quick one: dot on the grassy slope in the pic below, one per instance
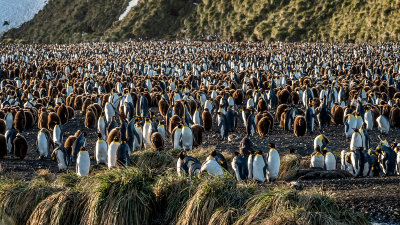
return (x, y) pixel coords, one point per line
(264, 20)
(70, 21)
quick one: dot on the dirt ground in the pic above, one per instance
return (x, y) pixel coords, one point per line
(378, 197)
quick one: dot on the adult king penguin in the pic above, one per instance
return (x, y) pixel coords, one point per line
(83, 163)
(273, 163)
(239, 165)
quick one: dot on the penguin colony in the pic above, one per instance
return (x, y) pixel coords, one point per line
(179, 96)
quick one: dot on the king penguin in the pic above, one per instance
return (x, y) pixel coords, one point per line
(43, 143)
(83, 163)
(317, 159)
(356, 140)
(59, 155)
(101, 149)
(211, 166)
(112, 153)
(330, 160)
(273, 163)
(187, 138)
(259, 167)
(176, 137)
(123, 153)
(184, 163)
(239, 165)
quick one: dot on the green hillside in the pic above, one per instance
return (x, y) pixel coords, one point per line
(261, 20)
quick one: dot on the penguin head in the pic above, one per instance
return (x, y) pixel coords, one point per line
(325, 150)
(356, 130)
(116, 139)
(236, 154)
(54, 155)
(182, 155)
(213, 154)
(83, 149)
(84, 133)
(99, 136)
(272, 145)
(259, 152)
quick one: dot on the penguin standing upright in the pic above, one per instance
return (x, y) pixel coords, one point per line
(139, 131)
(161, 129)
(112, 153)
(349, 125)
(383, 124)
(207, 119)
(330, 160)
(20, 146)
(222, 126)
(361, 163)
(43, 143)
(356, 140)
(101, 126)
(317, 159)
(369, 119)
(176, 137)
(387, 159)
(251, 126)
(250, 160)
(83, 163)
(187, 138)
(58, 134)
(273, 163)
(123, 153)
(147, 131)
(11, 134)
(59, 155)
(211, 166)
(397, 150)
(76, 146)
(310, 118)
(101, 149)
(259, 167)
(239, 165)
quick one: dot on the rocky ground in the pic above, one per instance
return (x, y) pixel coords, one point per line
(378, 197)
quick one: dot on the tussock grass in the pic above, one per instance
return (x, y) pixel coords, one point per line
(171, 191)
(64, 207)
(68, 180)
(157, 161)
(212, 194)
(120, 196)
(288, 168)
(19, 199)
(282, 205)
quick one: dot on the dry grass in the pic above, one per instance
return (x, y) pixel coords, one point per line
(171, 191)
(19, 199)
(157, 161)
(212, 194)
(64, 207)
(120, 196)
(288, 168)
(282, 205)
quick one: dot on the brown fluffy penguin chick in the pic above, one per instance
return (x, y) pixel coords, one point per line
(71, 112)
(20, 121)
(78, 102)
(163, 107)
(53, 119)
(62, 112)
(271, 119)
(116, 132)
(338, 114)
(395, 116)
(30, 121)
(90, 120)
(174, 122)
(261, 105)
(3, 127)
(43, 119)
(295, 97)
(197, 131)
(157, 141)
(299, 126)
(69, 142)
(283, 96)
(207, 119)
(238, 97)
(179, 109)
(86, 104)
(20, 146)
(3, 146)
(263, 126)
(281, 108)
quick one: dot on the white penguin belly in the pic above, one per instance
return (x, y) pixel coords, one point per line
(112, 155)
(101, 152)
(317, 161)
(273, 165)
(43, 145)
(83, 164)
(330, 162)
